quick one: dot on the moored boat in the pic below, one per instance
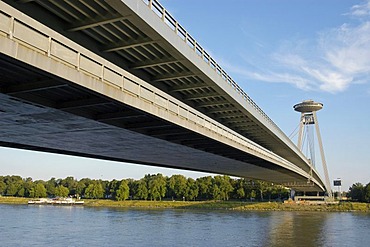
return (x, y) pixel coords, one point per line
(56, 201)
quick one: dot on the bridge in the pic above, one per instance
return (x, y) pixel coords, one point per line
(124, 81)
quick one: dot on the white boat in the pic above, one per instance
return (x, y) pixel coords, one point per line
(56, 201)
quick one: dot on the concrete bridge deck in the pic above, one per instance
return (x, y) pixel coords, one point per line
(178, 100)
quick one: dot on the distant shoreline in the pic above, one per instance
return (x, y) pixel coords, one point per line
(212, 205)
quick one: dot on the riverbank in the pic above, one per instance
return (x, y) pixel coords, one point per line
(214, 205)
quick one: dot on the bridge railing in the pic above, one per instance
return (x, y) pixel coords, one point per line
(171, 22)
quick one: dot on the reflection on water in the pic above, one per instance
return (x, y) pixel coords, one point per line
(281, 230)
(297, 229)
(318, 229)
(83, 226)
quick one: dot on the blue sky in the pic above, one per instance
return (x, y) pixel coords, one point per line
(280, 53)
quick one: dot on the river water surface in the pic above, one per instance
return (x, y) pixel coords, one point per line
(32, 225)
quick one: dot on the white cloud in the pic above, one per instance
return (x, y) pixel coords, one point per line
(339, 58)
(349, 49)
(360, 10)
(329, 80)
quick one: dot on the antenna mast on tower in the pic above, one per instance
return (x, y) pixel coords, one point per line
(308, 109)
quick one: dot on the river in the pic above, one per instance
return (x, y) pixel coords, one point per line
(32, 225)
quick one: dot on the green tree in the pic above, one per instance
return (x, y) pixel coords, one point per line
(38, 190)
(27, 187)
(105, 186)
(112, 188)
(238, 186)
(13, 185)
(141, 190)
(22, 192)
(2, 187)
(280, 192)
(177, 185)
(356, 192)
(61, 191)
(205, 187)
(12, 179)
(248, 188)
(367, 193)
(261, 187)
(13, 188)
(50, 187)
(270, 190)
(157, 186)
(253, 194)
(216, 192)
(132, 185)
(192, 189)
(82, 185)
(224, 186)
(94, 190)
(123, 191)
(70, 183)
(240, 193)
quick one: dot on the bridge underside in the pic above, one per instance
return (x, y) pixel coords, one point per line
(133, 37)
(57, 96)
(41, 112)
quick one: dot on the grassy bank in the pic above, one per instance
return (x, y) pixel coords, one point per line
(13, 200)
(214, 205)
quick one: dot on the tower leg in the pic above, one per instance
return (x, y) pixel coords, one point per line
(292, 194)
(300, 134)
(326, 173)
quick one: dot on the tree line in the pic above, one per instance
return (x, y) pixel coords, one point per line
(158, 187)
(150, 187)
(359, 192)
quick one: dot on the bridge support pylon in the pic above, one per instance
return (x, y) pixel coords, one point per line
(308, 109)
